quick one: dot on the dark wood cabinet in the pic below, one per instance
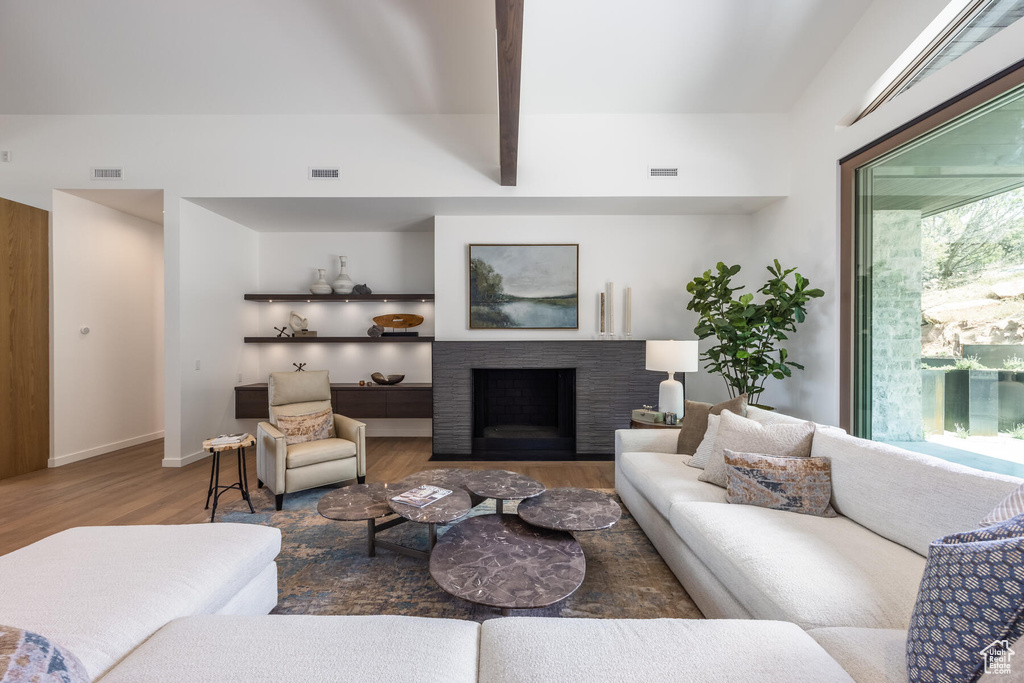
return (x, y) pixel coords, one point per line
(351, 400)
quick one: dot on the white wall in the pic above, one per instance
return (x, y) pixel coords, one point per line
(218, 267)
(805, 225)
(107, 274)
(654, 255)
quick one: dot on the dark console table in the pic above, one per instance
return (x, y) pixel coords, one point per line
(350, 400)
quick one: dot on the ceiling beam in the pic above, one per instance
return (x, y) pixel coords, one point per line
(509, 23)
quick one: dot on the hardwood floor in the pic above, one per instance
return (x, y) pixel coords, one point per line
(130, 487)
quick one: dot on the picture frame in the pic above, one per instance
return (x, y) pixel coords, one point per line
(523, 286)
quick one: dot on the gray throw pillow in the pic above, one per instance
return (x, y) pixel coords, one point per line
(802, 485)
(741, 435)
(695, 420)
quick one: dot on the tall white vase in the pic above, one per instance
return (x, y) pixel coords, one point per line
(343, 284)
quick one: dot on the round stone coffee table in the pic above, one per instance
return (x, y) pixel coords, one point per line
(502, 485)
(571, 509)
(451, 508)
(500, 561)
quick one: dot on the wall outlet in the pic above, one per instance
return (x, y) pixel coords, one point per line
(197, 365)
(5, 156)
(239, 377)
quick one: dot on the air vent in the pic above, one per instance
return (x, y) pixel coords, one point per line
(324, 172)
(110, 173)
(663, 171)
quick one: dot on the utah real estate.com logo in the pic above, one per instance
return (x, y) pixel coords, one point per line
(997, 657)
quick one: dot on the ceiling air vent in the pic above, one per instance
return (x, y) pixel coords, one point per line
(663, 171)
(324, 173)
(109, 173)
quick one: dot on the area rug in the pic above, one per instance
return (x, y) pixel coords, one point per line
(323, 568)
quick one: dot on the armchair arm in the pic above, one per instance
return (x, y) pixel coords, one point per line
(354, 431)
(645, 440)
(271, 457)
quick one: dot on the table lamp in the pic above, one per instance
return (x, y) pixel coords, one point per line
(672, 357)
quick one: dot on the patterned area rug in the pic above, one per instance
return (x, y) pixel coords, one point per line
(323, 568)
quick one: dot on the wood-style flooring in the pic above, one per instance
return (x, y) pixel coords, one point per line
(130, 487)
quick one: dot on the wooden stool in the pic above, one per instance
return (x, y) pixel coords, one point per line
(215, 489)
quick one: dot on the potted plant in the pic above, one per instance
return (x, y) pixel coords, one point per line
(749, 334)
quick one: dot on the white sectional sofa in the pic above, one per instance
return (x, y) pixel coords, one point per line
(793, 598)
(851, 581)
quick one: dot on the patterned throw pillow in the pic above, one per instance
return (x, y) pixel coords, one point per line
(971, 598)
(27, 656)
(306, 427)
(1011, 506)
(801, 485)
(741, 435)
(703, 452)
(695, 421)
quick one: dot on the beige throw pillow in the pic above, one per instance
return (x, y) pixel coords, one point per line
(306, 427)
(1011, 506)
(695, 421)
(746, 436)
(703, 453)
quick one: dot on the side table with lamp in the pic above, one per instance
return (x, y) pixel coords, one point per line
(672, 356)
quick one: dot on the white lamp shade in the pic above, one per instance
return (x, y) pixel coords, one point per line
(672, 356)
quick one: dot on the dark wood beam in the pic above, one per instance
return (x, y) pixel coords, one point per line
(509, 23)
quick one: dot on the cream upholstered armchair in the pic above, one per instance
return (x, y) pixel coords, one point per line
(333, 452)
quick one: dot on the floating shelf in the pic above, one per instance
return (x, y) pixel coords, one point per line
(339, 298)
(337, 340)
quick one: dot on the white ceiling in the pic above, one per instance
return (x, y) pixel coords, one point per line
(415, 214)
(145, 204)
(410, 56)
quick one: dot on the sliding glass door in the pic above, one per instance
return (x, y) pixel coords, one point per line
(938, 331)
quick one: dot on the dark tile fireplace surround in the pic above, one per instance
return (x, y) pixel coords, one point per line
(574, 394)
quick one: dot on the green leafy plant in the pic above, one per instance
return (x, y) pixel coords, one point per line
(749, 334)
(1017, 432)
(969, 363)
(961, 431)
(1015, 363)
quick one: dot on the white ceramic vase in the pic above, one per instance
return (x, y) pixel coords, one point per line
(321, 286)
(343, 284)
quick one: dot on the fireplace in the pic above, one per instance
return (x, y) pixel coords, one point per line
(524, 412)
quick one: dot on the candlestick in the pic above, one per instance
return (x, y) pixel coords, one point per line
(602, 312)
(629, 311)
(611, 309)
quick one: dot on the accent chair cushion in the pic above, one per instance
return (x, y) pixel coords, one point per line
(298, 387)
(971, 598)
(703, 452)
(30, 657)
(695, 420)
(802, 485)
(297, 429)
(321, 450)
(741, 435)
(1011, 506)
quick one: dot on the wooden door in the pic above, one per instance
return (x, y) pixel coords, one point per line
(24, 339)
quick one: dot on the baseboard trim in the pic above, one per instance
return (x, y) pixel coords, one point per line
(103, 450)
(184, 460)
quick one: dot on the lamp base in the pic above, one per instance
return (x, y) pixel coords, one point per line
(670, 396)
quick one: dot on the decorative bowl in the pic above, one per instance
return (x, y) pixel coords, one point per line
(386, 381)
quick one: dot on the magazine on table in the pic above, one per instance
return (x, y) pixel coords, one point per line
(225, 439)
(422, 496)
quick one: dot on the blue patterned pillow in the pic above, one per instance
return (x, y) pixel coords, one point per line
(27, 656)
(971, 596)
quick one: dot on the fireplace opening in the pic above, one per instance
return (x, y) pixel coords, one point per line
(524, 411)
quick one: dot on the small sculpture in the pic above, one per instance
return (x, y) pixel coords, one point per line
(374, 331)
(282, 332)
(297, 322)
(361, 289)
(299, 367)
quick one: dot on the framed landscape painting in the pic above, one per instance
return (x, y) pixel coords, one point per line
(524, 286)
